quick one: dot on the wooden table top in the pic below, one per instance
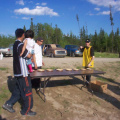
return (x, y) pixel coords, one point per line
(55, 73)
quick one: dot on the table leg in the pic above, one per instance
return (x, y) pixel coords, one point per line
(89, 84)
(91, 88)
(83, 77)
(46, 80)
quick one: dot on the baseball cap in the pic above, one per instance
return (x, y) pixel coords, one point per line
(87, 41)
(39, 39)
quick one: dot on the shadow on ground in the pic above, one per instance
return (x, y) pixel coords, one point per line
(55, 83)
(2, 118)
(109, 99)
(113, 88)
(75, 81)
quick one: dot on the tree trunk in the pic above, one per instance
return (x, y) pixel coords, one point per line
(119, 54)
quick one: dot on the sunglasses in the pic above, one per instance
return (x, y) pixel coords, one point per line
(41, 41)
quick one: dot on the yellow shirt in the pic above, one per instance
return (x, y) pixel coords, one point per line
(87, 57)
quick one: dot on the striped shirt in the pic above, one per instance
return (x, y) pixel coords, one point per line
(19, 62)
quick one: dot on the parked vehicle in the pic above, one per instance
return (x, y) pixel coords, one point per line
(1, 56)
(11, 49)
(73, 50)
(7, 51)
(4, 51)
(53, 50)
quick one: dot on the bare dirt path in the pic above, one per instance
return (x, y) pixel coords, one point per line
(65, 100)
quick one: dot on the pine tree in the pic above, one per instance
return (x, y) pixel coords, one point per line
(24, 28)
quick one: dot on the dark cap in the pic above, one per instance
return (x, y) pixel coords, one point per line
(87, 41)
(39, 39)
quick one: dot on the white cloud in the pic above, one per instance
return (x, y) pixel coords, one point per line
(106, 3)
(104, 13)
(37, 3)
(14, 17)
(30, 1)
(91, 14)
(100, 13)
(20, 2)
(97, 9)
(44, 4)
(25, 18)
(39, 10)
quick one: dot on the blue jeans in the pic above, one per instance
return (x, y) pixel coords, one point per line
(29, 61)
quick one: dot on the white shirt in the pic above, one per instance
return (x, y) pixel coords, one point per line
(30, 44)
(38, 55)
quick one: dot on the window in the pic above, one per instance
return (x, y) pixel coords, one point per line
(58, 46)
(49, 46)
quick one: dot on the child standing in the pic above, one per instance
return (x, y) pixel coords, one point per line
(29, 43)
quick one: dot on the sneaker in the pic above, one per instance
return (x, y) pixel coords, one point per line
(37, 89)
(8, 108)
(30, 113)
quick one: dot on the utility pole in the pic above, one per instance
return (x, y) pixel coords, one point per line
(111, 19)
(78, 21)
(31, 26)
(78, 25)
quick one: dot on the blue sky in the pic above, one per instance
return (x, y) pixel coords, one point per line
(92, 13)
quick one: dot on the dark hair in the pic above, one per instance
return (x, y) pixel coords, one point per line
(19, 32)
(39, 39)
(29, 34)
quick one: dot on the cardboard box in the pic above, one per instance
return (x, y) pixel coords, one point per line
(98, 86)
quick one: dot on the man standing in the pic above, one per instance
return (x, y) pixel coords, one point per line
(88, 58)
(37, 62)
(23, 81)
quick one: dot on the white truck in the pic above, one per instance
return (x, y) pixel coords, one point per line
(5, 51)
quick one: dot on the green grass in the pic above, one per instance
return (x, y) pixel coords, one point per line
(95, 100)
(4, 93)
(66, 104)
(101, 69)
(78, 67)
(50, 68)
(2, 68)
(106, 79)
(118, 62)
(106, 55)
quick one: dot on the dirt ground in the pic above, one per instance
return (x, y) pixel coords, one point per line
(64, 98)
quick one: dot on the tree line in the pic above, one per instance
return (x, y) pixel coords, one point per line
(102, 42)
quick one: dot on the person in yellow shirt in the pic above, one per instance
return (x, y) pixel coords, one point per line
(88, 58)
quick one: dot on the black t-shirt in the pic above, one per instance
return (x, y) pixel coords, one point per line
(91, 50)
(19, 62)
